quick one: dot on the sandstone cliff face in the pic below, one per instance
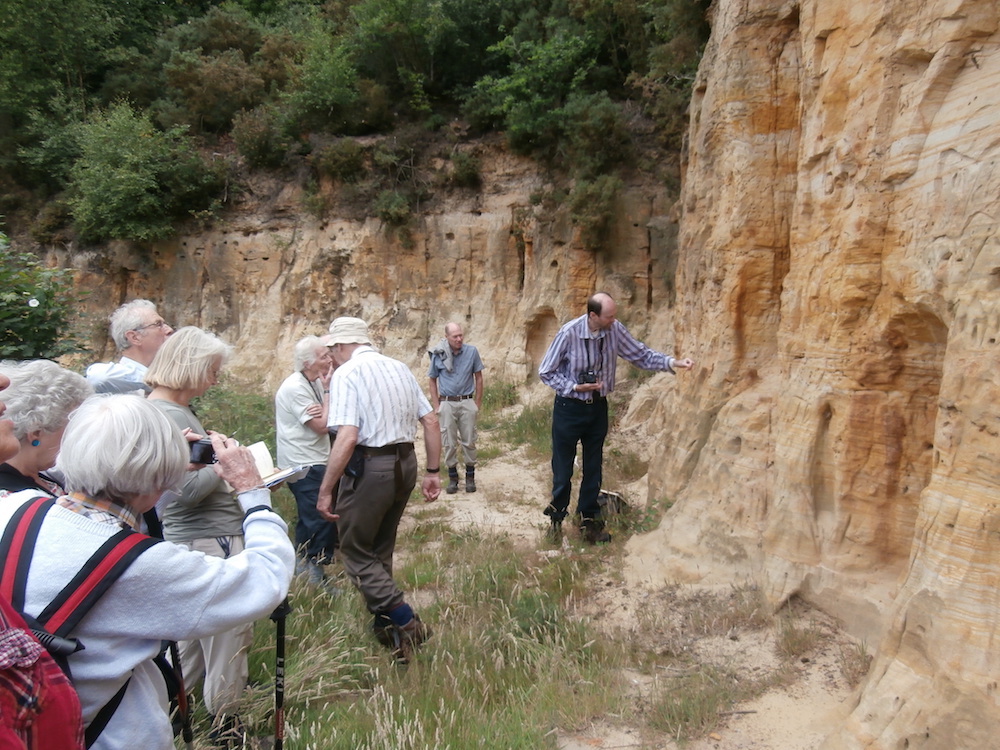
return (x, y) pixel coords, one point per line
(509, 268)
(840, 283)
(837, 280)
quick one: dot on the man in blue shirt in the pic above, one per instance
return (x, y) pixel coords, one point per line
(456, 382)
(580, 367)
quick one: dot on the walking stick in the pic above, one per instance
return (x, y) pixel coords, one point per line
(279, 616)
(182, 700)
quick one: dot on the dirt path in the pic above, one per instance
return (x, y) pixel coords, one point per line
(797, 715)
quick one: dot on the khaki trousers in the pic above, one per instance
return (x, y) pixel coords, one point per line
(222, 658)
(370, 509)
(458, 427)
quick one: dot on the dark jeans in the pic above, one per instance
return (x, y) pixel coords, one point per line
(315, 537)
(573, 422)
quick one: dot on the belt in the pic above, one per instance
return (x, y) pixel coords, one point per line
(387, 450)
(589, 401)
(456, 398)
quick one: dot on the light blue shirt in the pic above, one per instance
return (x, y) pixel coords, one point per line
(460, 381)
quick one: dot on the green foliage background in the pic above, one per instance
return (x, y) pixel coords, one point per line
(133, 114)
(36, 304)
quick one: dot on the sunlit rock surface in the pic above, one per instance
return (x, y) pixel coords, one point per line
(840, 283)
(836, 276)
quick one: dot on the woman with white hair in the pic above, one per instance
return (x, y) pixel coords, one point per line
(119, 454)
(205, 516)
(39, 399)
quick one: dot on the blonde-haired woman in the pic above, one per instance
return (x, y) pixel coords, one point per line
(205, 516)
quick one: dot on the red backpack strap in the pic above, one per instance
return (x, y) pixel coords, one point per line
(19, 537)
(84, 590)
(93, 580)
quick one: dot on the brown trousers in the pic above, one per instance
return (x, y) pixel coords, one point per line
(370, 509)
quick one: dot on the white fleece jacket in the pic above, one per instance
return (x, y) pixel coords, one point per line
(167, 594)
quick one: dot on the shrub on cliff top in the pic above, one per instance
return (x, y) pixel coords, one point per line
(132, 181)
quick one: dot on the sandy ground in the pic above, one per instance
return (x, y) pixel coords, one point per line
(796, 716)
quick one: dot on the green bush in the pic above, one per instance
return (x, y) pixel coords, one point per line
(55, 143)
(393, 208)
(211, 89)
(342, 160)
(597, 140)
(592, 208)
(36, 304)
(528, 100)
(465, 170)
(258, 136)
(132, 181)
(326, 92)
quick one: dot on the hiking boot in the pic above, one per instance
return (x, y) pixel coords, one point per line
(553, 534)
(452, 487)
(385, 632)
(227, 732)
(411, 636)
(593, 531)
(470, 479)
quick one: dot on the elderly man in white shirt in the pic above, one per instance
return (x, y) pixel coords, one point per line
(139, 332)
(375, 404)
(300, 411)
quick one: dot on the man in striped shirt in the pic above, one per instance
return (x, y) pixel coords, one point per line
(375, 404)
(580, 367)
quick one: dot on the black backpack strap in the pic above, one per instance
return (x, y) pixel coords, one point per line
(100, 721)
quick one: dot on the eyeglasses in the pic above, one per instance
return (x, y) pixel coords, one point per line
(157, 324)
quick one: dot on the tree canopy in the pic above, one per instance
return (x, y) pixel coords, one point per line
(114, 108)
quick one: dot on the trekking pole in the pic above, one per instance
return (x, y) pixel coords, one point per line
(182, 700)
(279, 616)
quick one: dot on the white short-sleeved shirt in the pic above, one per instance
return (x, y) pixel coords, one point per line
(378, 395)
(297, 444)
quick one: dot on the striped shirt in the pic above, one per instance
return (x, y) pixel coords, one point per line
(379, 396)
(576, 349)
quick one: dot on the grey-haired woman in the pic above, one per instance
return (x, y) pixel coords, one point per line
(39, 399)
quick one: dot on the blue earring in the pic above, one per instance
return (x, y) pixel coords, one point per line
(36, 443)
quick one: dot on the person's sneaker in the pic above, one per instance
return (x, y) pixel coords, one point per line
(594, 532)
(411, 636)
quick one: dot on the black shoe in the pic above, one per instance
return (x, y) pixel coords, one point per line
(470, 484)
(452, 487)
(227, 732)
(593, 531)
(554, 533)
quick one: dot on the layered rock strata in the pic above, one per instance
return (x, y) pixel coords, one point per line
(840, 281)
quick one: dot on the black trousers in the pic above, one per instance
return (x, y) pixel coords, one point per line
(575, 421)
